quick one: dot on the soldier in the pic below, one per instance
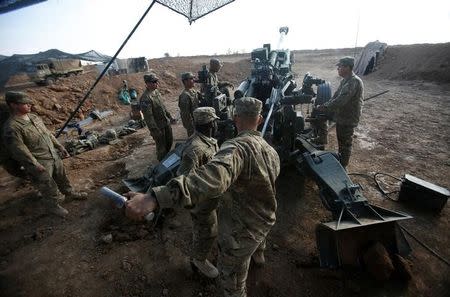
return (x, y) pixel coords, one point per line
(188, 101)
(244, 170)
(125, 85)
(199, 150)
(28, 141)
(346, 105)
(156, 116)
(212, 87)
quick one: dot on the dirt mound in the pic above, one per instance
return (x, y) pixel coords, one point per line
(429, 62)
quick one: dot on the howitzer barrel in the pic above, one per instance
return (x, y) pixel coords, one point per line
(296, 99)
(273, 58)
(242, 89)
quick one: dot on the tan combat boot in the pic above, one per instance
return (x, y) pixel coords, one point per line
(74, 195)
(258, 258)
(205, 267)
(58, 210)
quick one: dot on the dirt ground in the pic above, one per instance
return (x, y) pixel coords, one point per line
(405, 131)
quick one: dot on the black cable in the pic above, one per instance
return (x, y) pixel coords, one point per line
(377, 183)
(385, 193)
(425, 246)
(380, 188)
(361, 174)
(382, 173)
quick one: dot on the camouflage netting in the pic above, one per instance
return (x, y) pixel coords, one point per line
(194, 9)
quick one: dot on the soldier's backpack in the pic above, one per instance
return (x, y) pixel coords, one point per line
(8, 163)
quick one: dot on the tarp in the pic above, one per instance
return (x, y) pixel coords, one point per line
(133, 65)
(369, 57)
(194, 9)
(10, 5)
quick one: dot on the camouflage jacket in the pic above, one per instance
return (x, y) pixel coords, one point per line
(155, 113)
(187, 102)
(212, 86)
(29, 141)
(347, 101)
(244, 169)
(199, 150)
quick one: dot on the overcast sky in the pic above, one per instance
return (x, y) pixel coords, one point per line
(77, 26)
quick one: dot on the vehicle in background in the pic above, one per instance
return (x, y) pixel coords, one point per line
(49, 71)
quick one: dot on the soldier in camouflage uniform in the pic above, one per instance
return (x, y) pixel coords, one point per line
(345, 105)
(199, 150)
(28, 141)
(244, 170)
(188, 101)
(213, 86)
(156, 116)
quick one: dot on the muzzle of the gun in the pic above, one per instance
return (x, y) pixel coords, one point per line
(242, 89)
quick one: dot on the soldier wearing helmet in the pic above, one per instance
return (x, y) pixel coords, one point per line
(188, 101)
(213, 86)
(199, 150)
(244, 170)
(156, 116)
(346, 106)
(28, 141)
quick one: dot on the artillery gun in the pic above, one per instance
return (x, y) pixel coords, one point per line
(356, 222)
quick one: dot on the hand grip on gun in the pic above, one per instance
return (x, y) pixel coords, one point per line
(120, 200)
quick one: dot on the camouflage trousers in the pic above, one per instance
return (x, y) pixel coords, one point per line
(163, 141)
(344, 134)
(236, 247)
(204, 228)
(52, 182)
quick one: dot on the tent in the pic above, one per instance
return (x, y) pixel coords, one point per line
(369, 57)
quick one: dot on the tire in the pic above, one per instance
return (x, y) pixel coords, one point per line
(323, 93)
(49, 81)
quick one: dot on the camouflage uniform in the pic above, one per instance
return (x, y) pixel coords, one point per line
(187, 102)
(30, 143)
(244, 169)
(211, 88)
(198, 151)
(158, 120)
(346, 105)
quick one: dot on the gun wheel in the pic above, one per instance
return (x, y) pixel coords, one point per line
(323, 93)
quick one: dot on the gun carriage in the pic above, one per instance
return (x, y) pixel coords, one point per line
(356, 222)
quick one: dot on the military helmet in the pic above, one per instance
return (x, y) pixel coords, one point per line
(346, 61)
(17, 97)
(204, 115)
(187, 75)
(215, 62)
(247, 106)
(151, 77)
